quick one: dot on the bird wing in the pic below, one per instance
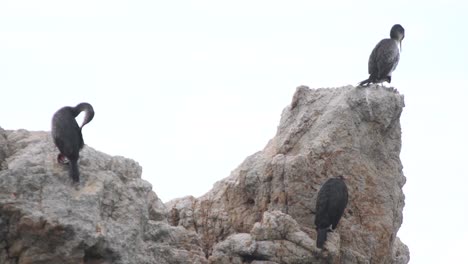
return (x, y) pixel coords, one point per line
(66, 133)
(340, 201)
(383, 59)
(321, 208)
(387, 58)
(372, 65)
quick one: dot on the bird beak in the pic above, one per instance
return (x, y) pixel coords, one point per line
(88, 117)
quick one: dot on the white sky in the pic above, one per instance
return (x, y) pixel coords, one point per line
(191, 88)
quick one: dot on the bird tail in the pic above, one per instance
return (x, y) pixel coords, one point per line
(74, 172)
(321, 237)
(363, 83)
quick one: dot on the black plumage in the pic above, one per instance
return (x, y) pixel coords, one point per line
(385, 57)
(67, 135)
(331, 203)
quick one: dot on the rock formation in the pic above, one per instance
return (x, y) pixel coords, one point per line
(111, 217)
(263, 213)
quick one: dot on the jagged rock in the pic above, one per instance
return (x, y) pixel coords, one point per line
(276, 239)
(112, 216)
(263, 213)
(350, 131)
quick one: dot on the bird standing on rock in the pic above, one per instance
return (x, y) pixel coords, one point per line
(332, 199)
(385, 57)
(67, 135)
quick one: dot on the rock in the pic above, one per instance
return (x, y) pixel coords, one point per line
(112, 216)
(264, 211)
(276, 239)
(401, 253)
(3, 148)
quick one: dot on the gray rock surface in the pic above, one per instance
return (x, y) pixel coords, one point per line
(263, 213)
(401, 253)
(112, 216)
(350, 131)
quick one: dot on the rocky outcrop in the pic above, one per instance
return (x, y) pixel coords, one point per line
(263, 213)
(112, 216)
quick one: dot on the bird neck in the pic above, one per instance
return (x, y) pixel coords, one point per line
(397, 43)
(89, 112)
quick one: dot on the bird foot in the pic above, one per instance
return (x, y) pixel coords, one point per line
(62, 159)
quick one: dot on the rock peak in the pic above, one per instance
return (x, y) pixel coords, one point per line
(263, 213)
(350, 131)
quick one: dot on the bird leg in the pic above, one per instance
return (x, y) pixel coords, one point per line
(62, 159)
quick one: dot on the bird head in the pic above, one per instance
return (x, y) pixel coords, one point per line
(397, 33)
(89, 112)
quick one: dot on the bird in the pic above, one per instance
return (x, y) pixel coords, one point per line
(331, 202)
(385, 57)
(67, 135)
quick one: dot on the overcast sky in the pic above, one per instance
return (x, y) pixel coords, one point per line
(191, 88)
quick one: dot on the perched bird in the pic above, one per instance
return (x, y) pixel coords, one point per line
(67, 135)
(331, 203)
(385, 57)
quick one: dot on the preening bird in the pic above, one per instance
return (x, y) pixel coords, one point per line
(67, 135)
(385, 57)
(332, 199)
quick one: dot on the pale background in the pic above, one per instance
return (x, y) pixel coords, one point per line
(190, 88)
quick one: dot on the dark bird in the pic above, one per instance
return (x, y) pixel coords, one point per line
(385, 57)
(331, 203)
(67, 135)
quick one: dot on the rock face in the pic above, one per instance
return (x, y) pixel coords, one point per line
(112, 216)
(263, 213)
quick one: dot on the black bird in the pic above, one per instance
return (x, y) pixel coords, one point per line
(385, 57)
(67, 135)
(331, 203)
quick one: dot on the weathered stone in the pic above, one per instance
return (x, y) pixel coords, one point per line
(263, 213)
(112, 216)
(347, 131)
(4, 153)
(401, 252)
